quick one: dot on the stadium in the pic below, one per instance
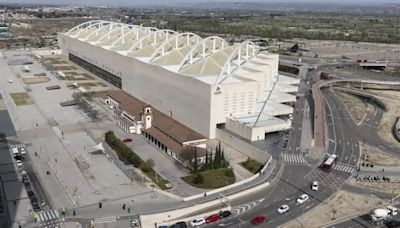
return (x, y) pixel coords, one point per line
(203, 83)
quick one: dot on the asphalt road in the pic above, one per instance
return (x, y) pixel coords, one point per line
(294, 181)
(344, 138)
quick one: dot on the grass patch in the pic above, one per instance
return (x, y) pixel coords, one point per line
(21, 98)
(214, 178)
(126, 155)
(252, 165)
(35, 80)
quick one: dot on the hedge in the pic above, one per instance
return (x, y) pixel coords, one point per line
(126, 152)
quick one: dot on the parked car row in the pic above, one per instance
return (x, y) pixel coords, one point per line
(31, 193)
(201, 221)
(18, 154)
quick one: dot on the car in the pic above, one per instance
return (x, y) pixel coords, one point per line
(27, 184)
(213, 218)
(179, 225)
(19, 157)
(198, 222)
(23, 151)
(10, 81)
(15, 151)
(314, 186)
(134, 223)
(163, 226)
(19, 163)
(284, 208)
(303, 198)
(225, 214)
(31, 194)
(127, 140)
(258, 219)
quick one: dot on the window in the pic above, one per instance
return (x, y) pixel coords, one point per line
(107, 76)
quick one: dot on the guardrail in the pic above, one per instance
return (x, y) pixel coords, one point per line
(262, 171)
(152, 220)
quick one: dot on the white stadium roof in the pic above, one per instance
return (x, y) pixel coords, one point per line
(184, 53)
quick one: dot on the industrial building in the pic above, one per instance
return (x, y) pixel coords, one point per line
(202, 83)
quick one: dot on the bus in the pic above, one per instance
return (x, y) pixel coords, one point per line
(329, 162)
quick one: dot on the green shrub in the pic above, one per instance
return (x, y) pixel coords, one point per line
(145, 167)
(229, 173)
(198, 179)
(126, 152)
(122, 149)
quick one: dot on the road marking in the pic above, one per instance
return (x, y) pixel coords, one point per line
(106, 219)
(245, 207)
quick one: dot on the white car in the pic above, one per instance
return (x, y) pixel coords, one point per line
(314, 186)
(303, 198)
(134, 223)
(198, 222)
(15, 151)
(284, 208)
(23, 151)
(10, 81)
(19, 163)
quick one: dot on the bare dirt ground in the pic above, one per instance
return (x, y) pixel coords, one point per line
(342, 205)
(356, 106)
(376, 156)
(392, 100)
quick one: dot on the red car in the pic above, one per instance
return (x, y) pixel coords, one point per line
(213, 218)
(258, 220)
(127, 140)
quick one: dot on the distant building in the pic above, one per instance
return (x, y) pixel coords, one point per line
(5, 31)
(203, 83)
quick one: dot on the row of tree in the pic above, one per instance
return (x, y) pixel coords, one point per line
(214, 160)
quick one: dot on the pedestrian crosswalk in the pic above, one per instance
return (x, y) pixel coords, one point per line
(294, 159)
(21, 145)
(343, 167)
(105, 220)
(245, 207)
(49, 219)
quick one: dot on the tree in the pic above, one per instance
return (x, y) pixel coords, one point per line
(196, 163)
(206, 159)
(223, 159)
(210, 161)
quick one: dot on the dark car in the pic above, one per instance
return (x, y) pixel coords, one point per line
(19, 157)
(127, 140)
(179, 225)
(27, 184)
(225, 214)
(31, 193)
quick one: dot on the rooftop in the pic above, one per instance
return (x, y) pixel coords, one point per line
(185, 53)
(161, 122)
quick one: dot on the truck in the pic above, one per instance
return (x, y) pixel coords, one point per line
(380, 215)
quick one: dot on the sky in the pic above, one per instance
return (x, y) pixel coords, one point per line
(165, 2)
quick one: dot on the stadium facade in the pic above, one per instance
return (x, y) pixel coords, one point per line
(203, 83)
